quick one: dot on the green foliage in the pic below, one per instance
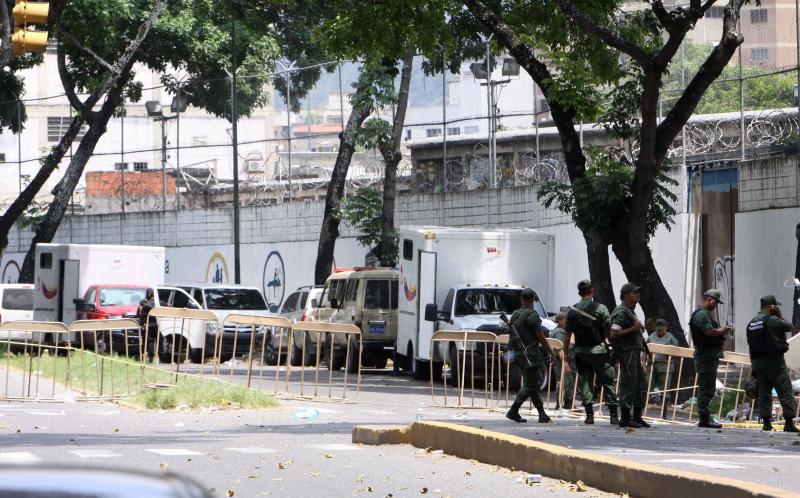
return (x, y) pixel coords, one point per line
(33, 215)
(599, 199)
(376, 132)
(763, 92)
(363, 212)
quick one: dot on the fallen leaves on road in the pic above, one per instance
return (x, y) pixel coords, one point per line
(582, 486)
(230, 492)
(328, 455)
(252, 477)
(423, 491)
(360, 478)
(164, 466)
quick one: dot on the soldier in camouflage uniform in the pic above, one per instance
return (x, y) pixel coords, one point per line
(708, 338)
(626, 334)
(590, 322)
(766, 338)
(567, 381)
(528, 325)
(663, 369)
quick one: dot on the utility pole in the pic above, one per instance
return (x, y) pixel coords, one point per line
(234, 118)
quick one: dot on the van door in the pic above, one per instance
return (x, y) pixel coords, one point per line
(427, 294)
(69, 290)
(376, 309)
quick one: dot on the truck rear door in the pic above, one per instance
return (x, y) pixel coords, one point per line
(427, 294)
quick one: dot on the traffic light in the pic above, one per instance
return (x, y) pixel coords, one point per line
(28, 14)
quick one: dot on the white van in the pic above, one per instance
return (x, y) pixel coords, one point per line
(16, 303)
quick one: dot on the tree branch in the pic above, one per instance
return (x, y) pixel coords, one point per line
(5, 32)
(712, 67)
(86, 49)
(67, 84)
(564, 118)
(591, 26)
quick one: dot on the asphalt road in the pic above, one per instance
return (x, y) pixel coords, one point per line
(251, 453)
(241, 450)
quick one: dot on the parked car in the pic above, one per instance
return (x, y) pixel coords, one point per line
(109, 301)
(16, 303)
(369, 301)
(223, 300)
(331, 293)
(298, 307)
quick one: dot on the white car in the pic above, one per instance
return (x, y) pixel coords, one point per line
(16, 303)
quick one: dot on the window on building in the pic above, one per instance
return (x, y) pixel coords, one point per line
(139, 166)
(759, 54)
(2, 158)
(121, 166)
(471, 129)
(58, 126)
(454, 131)
(408, 134)
(433, 132)
(715, 12)
(758, 16)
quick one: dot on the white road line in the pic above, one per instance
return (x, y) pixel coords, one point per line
(379, 412)
(103, 413)
(173, 452)
(327, 411)
(758, 450)
(45, 413)
(94, 454)
(335, 447)
(729, 456)
(253, 451)
(13, 457)
(702, 463)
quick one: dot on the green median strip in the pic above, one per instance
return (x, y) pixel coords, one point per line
(149, 387)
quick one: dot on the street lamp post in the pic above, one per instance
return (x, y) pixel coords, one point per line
(155, 111)
(484, 72)
(287, 68)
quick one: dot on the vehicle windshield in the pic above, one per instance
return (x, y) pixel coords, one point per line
(121, 296)
(486, 301)
(235, 299)
(18, 299)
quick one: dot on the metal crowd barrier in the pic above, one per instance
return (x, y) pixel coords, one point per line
(329, 336)
(191, 326)
(271, 327)
(28, 338)
(102, 335)
(483, 343)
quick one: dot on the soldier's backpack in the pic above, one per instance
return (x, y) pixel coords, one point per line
(761, 341)
(585, 325)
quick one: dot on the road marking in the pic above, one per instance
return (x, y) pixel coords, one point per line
(335, 447)
(103, 413)
(327, 411)
(173, 452)
(45, 413)
(379, 412)
(253, 451)
(12, 457)
(702, 463)
(758, 450)
(94, 454)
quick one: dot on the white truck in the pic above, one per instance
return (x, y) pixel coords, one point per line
(64, 272)
(465, 278)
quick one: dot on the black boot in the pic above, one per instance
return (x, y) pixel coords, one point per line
(612, 414)
(513, 413)
(589, 415)
(625, 419)
(705, 421)
(543, 418)
(788, 425)
(637, 417)
(767, 421)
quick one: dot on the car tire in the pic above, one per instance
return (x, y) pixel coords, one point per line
(196, 355)
(270, 355)
(380, 362)
(418, 370)
(438, 367)
(352, 362)
(296, 357)
(452, 356)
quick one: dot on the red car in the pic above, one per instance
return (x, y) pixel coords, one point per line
(113, 301)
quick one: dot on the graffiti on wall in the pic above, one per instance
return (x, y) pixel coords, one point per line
(10, 272)
(217, 269)
(274, 280)
(723, 281)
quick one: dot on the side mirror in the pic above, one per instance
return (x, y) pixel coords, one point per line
(334, 303)
(82, 306)
(431, 313)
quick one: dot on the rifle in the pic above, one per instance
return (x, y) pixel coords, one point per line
(516, 340)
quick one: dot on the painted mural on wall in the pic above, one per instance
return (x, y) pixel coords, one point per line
(274, 280)
(217, 269)
(796, 297)
(723, 280)
(10, 273)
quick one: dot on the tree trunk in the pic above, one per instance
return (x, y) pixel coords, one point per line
(599, 269)
(391, 158)
(49, 165)
(63, 191)
(329, 231)
(637, 263)
(796, 294)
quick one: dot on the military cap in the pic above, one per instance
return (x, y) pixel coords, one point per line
(769, 300)
(715, 294)
(629, 287)
(527, 294)
(661, 323)
(584, 286)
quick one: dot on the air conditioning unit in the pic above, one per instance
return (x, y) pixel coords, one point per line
(253, 165)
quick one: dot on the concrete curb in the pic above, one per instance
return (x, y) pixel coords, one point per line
(598, 471)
